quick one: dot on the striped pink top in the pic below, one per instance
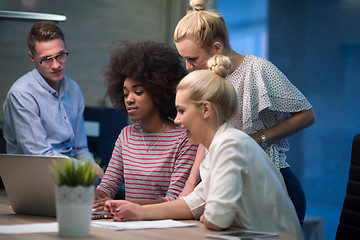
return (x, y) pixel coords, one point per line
(160, 172)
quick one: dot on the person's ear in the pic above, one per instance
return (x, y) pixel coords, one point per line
(207, 109)
(31, 56)
(218, 48)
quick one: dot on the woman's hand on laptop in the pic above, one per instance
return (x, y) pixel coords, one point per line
(99, 201)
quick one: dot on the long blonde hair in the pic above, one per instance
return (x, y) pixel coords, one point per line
(203, 26)
(210, 85)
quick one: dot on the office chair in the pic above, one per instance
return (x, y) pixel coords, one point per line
(111, 122)
(349, 223)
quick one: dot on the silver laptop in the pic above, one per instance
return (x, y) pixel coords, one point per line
(29, 185)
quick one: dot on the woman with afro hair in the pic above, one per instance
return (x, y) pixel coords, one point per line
(152, 157)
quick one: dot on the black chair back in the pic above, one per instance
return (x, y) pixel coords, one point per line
(349, 223)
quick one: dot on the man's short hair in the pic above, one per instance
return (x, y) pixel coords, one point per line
(43, 31)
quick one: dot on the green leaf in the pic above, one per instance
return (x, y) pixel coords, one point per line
(73, 173)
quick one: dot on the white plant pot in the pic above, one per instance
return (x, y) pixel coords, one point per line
(73, 210)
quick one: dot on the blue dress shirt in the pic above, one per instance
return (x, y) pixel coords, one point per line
(40, 121)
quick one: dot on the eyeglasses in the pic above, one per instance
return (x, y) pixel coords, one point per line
(60, 57)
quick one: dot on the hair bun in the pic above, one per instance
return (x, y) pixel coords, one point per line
(198, 5)
(220, 65)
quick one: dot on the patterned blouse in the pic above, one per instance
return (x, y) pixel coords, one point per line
(266, 97)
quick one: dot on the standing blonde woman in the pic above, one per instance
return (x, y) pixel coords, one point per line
(270, 108)
(240, 185)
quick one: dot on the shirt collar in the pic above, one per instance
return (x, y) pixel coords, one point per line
(223, 127)
(63, 84)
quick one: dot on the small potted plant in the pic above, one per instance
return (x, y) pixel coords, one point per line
(74, 194)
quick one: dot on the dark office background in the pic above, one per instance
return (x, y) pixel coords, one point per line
(316, 43)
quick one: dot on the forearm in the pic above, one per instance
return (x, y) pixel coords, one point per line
(121, 210)
(177, 209)
(146, 202)
(293, 124)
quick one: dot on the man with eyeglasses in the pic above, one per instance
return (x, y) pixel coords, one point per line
(43, 110)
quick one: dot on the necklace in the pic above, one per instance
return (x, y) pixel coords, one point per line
(148, 147)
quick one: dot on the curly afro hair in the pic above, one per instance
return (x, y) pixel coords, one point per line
(158, 67)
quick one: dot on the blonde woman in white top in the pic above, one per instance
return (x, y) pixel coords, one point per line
(240, 185)
(270, 107)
